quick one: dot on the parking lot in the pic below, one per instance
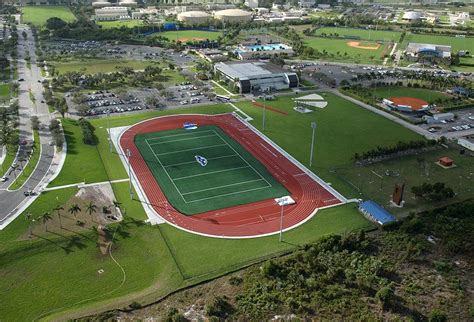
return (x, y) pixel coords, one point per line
(103, 49)
(462, 124)
(104, 102)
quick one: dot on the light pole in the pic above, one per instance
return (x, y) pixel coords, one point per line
(313, 126)
(264, 109)
(282, 204)
(108, 131)
(129, 154)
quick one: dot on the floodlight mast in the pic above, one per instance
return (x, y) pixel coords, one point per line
(313, 126)
(129, 154)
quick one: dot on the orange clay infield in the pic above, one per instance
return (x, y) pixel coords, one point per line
(358, 44)
(415, 103)
(185, 39)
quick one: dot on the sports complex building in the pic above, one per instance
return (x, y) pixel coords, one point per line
(252, 51)
(416, 50)
(256, 76)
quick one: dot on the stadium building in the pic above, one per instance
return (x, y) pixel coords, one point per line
(194, 18)
(233, 16)
(256, 76)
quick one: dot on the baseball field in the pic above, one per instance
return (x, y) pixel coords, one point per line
(189, 35)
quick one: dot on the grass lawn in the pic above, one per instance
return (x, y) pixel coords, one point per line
(372, 182)
(185, 35)
(120, 23)
(156, 260)
(30, 166)
(364, 34)
(4, 90)
(231, 176)
(343, 129)
(198, 255)
(95, 163)
(94, 66)
(337, 49)
(421, 93)
(456, 43)
(38, 15)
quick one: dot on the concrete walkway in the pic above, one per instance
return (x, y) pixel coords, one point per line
(83, 184)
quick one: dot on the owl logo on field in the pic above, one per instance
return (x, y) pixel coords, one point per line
(201, 160)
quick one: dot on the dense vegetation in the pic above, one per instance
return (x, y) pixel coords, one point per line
(415, 270)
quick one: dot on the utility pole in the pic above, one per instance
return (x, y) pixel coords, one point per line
(313, 126)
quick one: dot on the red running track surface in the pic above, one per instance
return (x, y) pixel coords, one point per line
(253, 219)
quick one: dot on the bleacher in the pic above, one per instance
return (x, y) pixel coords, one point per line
(376, 213)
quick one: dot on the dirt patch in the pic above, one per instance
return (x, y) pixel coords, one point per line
(363, 45)
(65, 223)
(415, 103)
(185, 39)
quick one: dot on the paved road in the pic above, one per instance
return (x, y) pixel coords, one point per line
(10, 201)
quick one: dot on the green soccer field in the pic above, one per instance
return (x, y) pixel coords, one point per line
(231, 177)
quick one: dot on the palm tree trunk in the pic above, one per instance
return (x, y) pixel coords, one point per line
(60, 223)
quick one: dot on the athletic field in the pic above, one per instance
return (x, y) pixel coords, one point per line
(38, 15)
(227, 176)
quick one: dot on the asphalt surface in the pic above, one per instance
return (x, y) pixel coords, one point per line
(12, 200)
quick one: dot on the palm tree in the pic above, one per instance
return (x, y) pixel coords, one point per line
(28, 218)
(74, 209)
(91, 208)
(58, 209)
(116, 204)
(45, 218)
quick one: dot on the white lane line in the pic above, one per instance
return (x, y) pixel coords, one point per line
(201, 147)
(211, 172)
(174, 135)
(227, 194)
(159, 161)
(243, 159)
(193, 138)
(224, 186)
(194, 161)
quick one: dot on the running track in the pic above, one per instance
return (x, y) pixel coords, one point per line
(258, 218)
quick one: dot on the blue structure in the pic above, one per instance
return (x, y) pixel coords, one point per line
(376, 213)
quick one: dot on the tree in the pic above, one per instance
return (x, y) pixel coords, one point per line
(91, 208)
(55, 23)
(35, 122)
(385, 296)
(58, 209)
(74, 209)
(45, 218)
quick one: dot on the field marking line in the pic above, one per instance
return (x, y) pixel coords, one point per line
(173, 135)
(193, 138)
(211, 172)
(201, 147)
(228, 194)
(268, 183)
(194, 161)
(224, 186)
(159, 161)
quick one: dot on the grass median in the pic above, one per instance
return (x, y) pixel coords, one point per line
(30, 166)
